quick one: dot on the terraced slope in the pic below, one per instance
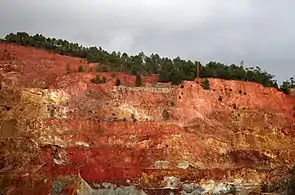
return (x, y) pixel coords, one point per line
(60, 132)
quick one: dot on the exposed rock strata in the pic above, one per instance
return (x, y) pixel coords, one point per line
(138, 140)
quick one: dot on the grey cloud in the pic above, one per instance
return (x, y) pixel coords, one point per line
(261, 32)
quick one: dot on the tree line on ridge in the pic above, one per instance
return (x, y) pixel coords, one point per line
(170, 70)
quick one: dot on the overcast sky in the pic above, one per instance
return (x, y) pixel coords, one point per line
(260, 32)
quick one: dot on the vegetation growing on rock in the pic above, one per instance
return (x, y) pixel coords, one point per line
(80, 69)
(118, 82)
(138, 81)
(104, 80)
(286, 85)
(206, 84)
(96, 80)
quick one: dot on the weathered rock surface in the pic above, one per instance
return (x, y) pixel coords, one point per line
(62, 134)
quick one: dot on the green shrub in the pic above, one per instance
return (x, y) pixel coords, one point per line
(81, 69)
(118, 82)
(172, 103)
(240, 92)
(206, 84)
(104, 80)
(96, 80)
(220, 99)
(138, 81)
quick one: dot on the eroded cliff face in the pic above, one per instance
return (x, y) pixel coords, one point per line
(60, 132)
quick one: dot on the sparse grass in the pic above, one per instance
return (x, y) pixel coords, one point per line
(172, 103)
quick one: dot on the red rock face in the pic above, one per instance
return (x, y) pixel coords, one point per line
(69, 128)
